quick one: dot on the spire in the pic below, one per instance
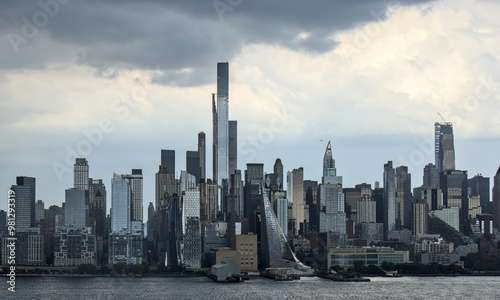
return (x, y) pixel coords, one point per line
(329, 147)
(498, 171)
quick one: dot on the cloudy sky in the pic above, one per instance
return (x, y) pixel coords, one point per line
(116, 81)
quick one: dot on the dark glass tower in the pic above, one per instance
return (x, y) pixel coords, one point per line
(193, 164)
(25, 191)
(403, 192)
(233, 146)
(168, 161)
(444, 147)
(480, 185)
(453, 183)
(202, 154)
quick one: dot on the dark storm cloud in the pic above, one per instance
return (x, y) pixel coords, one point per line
(173, 36)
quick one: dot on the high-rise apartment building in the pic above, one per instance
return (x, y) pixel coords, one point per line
(444, 147)
(221, 124)
(25, 191)
(390, 205)
(233, 147)
(76, 208)
(120, 204)
(135, 183)
(403, 192)
(202, 154)
(81, 174)
(453, 183)
(296, 197)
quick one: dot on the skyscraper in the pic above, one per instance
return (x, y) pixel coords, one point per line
(81, 174)
(278, 170)
(120, 204)
(496, 200)
(444, 148)
(39, 211)
(431, 176)
(329, 170)
(135, 180)
(403, 192)
(453, 183)
(296, 196)
(233, 147)
(193, 164)
(25, 191)
(221, 124)
(76, 208)
(389, 198)
(202, 154)
(168, 161)
(480, 186)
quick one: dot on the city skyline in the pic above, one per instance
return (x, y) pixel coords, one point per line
(368, 123)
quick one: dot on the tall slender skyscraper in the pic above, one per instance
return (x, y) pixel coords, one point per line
(81, 174)
(135, 181)
(403, 191)
(233, 147)
(389, 199)
(296, 196)
(444, 148)
(221, 124)
(202, 154)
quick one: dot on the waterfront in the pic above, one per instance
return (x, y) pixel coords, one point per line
(462, 287)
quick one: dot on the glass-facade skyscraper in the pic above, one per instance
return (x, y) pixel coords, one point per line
(221, 124)
(444, 147)
(120, 204)
(389, 198)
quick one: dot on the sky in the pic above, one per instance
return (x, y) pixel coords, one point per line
(117, 81)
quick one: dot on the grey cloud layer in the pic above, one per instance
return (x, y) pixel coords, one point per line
(174, 35)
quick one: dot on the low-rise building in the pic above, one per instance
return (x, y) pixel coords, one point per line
(351, 257)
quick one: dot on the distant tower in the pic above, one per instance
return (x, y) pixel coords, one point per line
(202, 153)
(76, 208)
(135, 181)
(39, 211)
(120, 204)
(444, 148)
(296, 196)
(221, 124)
(453, 183)
(25, 191)
(193, 164)
(81, 174)
(329, 171)
(278, 170)
(431, 176)
(168, 161)
(329, 162)
(233, 146)
(496, 200)
(480, 186)
(389, 199)
(403, 191)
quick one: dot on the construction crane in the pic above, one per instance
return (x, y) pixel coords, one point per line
(447, 123)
